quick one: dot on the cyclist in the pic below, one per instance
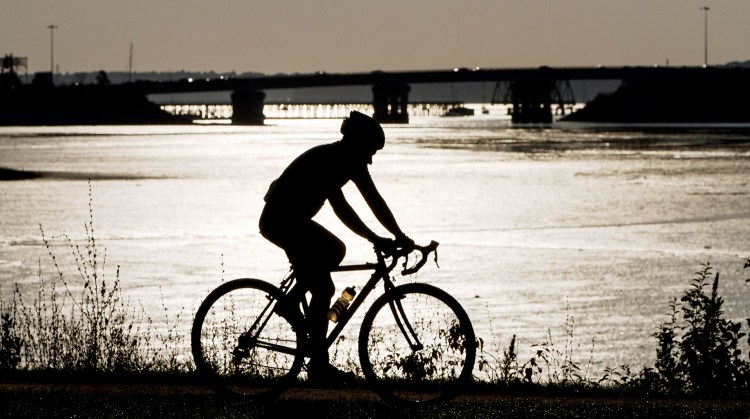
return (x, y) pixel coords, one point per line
(296, 196)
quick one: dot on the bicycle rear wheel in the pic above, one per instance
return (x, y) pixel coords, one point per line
(241, 346)
(417, 345)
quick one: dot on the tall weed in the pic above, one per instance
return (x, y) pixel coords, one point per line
(88, 326)
(561, 365)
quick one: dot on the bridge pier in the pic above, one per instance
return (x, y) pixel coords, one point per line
(390, 102)
(247, 107)
(532, 101)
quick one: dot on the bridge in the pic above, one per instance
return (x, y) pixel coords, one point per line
(531, 91)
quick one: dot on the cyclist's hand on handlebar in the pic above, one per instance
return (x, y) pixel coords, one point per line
(385, 245)
(390, 247)
(404, 242)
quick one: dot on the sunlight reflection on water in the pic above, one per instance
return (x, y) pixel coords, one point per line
(598, 225)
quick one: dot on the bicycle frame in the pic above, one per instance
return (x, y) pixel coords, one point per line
(381, 272)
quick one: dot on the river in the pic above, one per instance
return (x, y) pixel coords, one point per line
(573, 234)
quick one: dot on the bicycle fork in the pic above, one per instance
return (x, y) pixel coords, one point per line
(404, 325)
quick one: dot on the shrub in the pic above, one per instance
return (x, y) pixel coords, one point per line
(10, 342)
(698, 349)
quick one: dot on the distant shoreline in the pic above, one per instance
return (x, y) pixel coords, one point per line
(9, 175)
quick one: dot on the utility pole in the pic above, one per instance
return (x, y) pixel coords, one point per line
(52, 51)
(130, 64)
(705, 10)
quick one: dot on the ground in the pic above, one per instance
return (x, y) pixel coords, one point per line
(76, 399)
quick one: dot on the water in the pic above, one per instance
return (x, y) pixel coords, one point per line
(597, 226)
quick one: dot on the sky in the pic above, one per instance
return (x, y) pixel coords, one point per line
(340, 36)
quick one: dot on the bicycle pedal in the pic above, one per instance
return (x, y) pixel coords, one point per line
(239, 354)
(246, 341)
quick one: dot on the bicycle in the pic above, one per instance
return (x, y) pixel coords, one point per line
(416, 343)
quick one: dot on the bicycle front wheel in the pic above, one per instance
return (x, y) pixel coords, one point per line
(241, 346)
(417, 345)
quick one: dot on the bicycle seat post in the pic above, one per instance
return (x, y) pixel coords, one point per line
(287, 282)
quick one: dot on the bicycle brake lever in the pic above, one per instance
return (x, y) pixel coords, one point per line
(425, 251)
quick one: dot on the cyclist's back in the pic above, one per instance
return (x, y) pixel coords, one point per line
(305, 184)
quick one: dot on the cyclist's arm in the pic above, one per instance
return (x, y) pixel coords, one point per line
(349, 217)
(378, 205)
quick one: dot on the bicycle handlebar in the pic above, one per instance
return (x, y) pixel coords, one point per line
(424, 252)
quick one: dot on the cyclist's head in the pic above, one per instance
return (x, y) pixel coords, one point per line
(363, 132)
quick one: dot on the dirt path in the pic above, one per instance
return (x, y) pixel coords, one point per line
(33, 399)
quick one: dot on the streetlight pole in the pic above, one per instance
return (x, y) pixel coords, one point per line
(52, 51)
(705, 35)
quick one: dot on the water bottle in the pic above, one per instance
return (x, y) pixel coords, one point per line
(341, 304)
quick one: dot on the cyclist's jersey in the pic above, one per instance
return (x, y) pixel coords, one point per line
(304, 186)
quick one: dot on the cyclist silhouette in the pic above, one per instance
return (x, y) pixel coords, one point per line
(296, 197)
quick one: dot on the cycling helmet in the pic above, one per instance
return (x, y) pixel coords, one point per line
(364, 130)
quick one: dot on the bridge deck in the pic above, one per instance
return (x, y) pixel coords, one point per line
(437, 76)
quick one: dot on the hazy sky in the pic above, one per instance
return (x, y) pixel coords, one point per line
(285, 36)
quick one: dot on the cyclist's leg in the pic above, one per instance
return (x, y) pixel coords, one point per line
(315, 252)
(321, 288)
(320, 371)
(285, 231)
(319, 253)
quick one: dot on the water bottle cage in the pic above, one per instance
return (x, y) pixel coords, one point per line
(339, 307)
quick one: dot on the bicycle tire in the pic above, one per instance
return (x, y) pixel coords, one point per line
(430, 375)
(262, 365)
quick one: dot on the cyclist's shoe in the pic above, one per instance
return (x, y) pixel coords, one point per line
(291, 313)
(326, 375)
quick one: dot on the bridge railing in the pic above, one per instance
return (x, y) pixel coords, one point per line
(285, 110)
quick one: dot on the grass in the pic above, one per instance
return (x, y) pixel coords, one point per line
(81, 325)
